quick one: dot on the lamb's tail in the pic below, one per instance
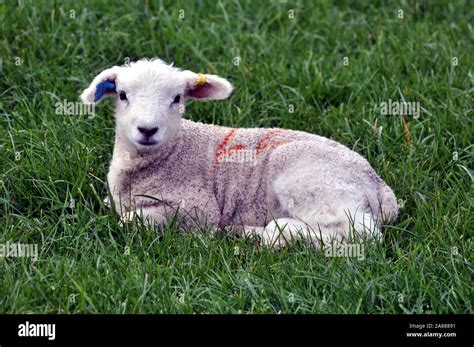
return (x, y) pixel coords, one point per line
(388, 203)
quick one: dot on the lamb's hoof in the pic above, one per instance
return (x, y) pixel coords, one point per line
(107, 202)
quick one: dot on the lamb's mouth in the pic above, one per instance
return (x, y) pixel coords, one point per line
(148, 142)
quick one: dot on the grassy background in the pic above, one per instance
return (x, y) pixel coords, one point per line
(90, 264)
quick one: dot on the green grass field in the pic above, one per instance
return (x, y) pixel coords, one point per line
(53, 167)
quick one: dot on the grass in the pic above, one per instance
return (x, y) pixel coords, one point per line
(90, 264)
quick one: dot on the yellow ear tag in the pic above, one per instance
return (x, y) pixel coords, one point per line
(201, 79)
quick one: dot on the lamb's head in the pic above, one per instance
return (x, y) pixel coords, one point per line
(149, 98)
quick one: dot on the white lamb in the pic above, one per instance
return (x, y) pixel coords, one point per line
(281, 185)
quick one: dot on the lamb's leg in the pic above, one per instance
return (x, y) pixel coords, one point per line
(285, 231)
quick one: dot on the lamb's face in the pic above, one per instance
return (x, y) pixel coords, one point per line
(149, 105)
(149, 97)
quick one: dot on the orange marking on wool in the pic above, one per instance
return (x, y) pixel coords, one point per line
(266, 141)
(236, 148)
(221, 148)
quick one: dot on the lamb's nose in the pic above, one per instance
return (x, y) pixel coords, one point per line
(148, 131)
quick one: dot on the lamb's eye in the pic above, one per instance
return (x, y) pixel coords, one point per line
(177, 99)
(122, 95)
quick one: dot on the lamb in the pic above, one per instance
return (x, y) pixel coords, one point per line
(279, 185)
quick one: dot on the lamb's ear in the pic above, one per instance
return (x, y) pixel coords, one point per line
(102, 85)
(206, 87)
